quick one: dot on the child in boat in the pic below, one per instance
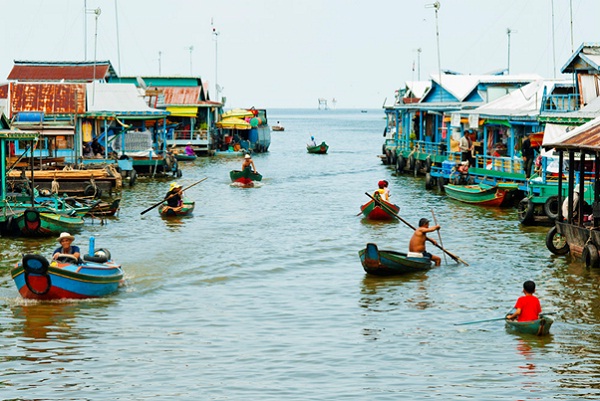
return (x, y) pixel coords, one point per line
(382, 193)
(65, 248)
(528, 306)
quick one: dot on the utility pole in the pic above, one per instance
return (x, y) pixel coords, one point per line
(508, 32)
(437, 6)
(216, 37)
(159, 63)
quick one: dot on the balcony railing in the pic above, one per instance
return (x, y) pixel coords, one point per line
(560, 103)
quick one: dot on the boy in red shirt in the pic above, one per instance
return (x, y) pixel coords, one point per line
(528, 306)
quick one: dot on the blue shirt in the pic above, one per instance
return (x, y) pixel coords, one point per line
(74, 249)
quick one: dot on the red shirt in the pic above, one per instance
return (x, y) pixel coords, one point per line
(530, 308)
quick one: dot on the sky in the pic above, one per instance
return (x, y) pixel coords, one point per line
(290, 53)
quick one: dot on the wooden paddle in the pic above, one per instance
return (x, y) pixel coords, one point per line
(158, 203)
(387, 209)
(439, 234)
(496, 319)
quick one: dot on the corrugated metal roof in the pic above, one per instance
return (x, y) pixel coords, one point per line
(585, 137)
(61, 71)
(4, 91)
(118, 100)
(49, 98)
(181, 95)
(586, 52)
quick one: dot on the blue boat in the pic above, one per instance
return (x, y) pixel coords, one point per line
(67, 277)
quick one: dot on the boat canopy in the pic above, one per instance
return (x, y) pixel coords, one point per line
(233, 123)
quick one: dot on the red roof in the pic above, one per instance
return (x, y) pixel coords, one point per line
(181, 95)
(49, 98)
(78, 72)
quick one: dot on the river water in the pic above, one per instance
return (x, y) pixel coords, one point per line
(261, 295)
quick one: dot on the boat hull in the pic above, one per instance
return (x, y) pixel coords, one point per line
(388, 263)
(245, 177)
(483, 195)
(539, 327)
(68, 280)
(186, 210)
(319, 149)
(36, 222)
(186, 158)
(372, 211)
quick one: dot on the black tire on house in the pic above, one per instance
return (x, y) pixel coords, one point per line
(429, 181)
(417, 167)
(411, 163)
(441, 181)
(400, 163)
(590, 256)
(428, 164)
(132, 177)
(385, 159)
(551, 207)
(557, 243)
(525, 209)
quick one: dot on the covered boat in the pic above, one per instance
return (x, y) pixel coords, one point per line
(379, 211)
(480, 194)
(387, 263)
(245, 177)
(319, 149)
(67, 277)
(186, 209)
(539, 327)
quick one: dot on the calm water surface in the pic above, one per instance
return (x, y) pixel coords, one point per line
(261, 295)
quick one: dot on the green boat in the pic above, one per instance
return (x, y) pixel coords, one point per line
(245, 177)
(183, 157)
(387, 263)
(39, 221)
(480, 194)
(319, 149)
(187, 209)
(539, 327)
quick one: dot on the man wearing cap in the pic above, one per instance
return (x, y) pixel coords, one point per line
(174, 197)
(65, 248)
(247, 163)
(417, 242)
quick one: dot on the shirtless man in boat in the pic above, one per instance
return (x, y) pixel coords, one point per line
(417, 242)
(247, 163)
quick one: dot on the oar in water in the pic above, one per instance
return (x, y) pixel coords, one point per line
(439, 234)
(158, 203)
(496, 319)
(387, 209)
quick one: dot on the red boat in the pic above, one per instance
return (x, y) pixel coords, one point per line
(373, 211)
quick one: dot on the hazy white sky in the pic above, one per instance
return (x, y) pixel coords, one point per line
(289, 53)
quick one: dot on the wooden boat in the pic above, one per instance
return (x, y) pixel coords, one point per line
(67, 278)
(387, 263)
(278, 128)
(539, 327)
(245, 177)
(187, 209)
(42, 221)
(480, 194)
(319, 149)
(184, 157)
(372, 211)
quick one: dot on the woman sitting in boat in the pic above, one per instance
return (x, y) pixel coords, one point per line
(174, 197)
(189, 150)
(382, 193)
(66, 247)
(247, 163)
(528, 306)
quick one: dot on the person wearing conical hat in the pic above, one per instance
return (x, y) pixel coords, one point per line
(174, 197)
(66, 246)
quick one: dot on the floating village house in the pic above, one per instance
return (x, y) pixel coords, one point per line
(192, 115)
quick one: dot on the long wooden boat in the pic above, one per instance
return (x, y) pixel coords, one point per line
(539, 327)
(319, 149)
(41, 221)
(373, 211)
(187, 209)
(387, 263)
(245, 177)
(67, 277)
(480, 194)
(183, 157)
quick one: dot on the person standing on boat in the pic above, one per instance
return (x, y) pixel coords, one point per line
(174, 197)
(528, 306)
(247, 163)
(528, 155)
(382, 193)
(417, 242)
(66, 247)
(312, 142)
(465, 145)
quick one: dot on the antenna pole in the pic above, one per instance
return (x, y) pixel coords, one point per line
(118, 41)
(419, 50)
(553, 43)
(571, 12)
(216, 36)
(437, 6)
(159, 62)
(508, 31)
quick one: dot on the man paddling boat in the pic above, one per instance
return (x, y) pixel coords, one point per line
(417, 242)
